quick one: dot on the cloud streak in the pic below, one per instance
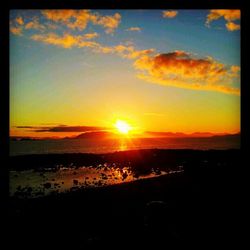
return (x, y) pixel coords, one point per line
(133, 29)
(62, 128)
(124, 51)
(182, 69)
(169, 13)
(66, 40)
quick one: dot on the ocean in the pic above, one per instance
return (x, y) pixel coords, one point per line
(112, 145)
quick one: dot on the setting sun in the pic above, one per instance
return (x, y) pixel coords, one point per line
(120, 116)
(122, 126)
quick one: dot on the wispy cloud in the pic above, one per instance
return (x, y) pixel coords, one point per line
(169, 13)
(34, 24)
(133, 29)
(125, 51)
(228, 15)
(182, 69)
(79, 19)
(79, 41)
(109, 22)
(66, 40)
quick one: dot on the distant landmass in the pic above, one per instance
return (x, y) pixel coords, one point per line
(192, 135)
(95, 134)
(147, 134)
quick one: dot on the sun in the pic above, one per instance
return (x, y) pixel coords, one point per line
(122, 126)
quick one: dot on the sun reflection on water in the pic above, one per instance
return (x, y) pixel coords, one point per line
(31, 183)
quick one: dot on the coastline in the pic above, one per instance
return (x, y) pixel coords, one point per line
(104, 216)
(141, 156)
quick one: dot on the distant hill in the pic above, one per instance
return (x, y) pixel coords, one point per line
(228, 135)
(148, 134)
(95, 134)
(183, 135)
(164, 134)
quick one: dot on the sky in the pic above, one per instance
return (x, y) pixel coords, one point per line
(73, 71)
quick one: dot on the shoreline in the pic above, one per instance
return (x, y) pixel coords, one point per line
(18, 162)
(197, 199)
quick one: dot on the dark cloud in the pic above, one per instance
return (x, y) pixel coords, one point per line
(185, 70)
(63, 128)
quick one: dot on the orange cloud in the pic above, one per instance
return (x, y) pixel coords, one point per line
(16, 30)
(124, 51)
(232, 26)
(169, 13)
(133, 29)
(67, 40)
(181, 69)
(79, 19)
(90, 35)
(59, 15)
(16, 26)
(74, 19)
(235, 69)
(109, 22)
(228, 15)
(19, 20)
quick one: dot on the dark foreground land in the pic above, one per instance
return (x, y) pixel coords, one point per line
(199, 207)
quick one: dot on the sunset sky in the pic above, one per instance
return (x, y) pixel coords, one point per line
(158, 70)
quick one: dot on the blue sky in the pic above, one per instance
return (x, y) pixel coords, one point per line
(79, 84)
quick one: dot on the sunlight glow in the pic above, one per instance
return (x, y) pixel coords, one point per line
(122, 126)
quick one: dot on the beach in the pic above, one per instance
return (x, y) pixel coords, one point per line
(113, 215)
